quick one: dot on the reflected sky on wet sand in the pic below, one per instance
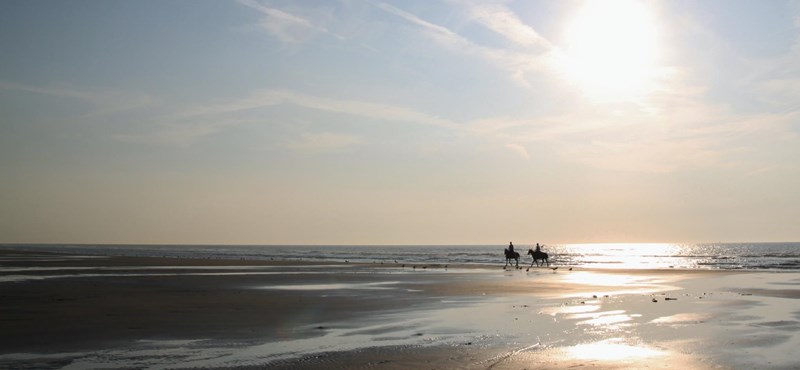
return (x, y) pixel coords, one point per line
(594, 318)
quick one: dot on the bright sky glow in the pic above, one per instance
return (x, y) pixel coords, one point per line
(399, 122)
(612, 49)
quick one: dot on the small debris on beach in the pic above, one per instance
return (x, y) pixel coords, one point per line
(655, 300)
(670, 299)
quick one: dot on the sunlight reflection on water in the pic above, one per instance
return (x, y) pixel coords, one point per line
(611, 349)
(626, 255)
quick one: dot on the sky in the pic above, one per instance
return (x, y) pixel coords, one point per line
(399, 122)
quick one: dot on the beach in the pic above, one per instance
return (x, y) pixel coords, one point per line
(80, 311)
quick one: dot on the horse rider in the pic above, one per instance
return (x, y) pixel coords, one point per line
(511, 247)
(538, 248)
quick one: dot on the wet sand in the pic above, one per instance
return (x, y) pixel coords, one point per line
(63, 311)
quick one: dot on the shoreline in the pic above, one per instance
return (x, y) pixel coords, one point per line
(733, 256)
(282, 314)
(199, 261)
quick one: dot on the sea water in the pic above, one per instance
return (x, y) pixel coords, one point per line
(757, 256)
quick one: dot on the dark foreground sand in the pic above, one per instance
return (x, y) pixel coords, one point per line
(62, 311)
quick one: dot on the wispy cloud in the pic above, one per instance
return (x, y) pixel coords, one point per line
(101, 101)
(181, 135)
(286, 27)
(503, 21)
(323, 142)
(441, 34)
(518, 64)
(694, 134)
(190, 124)
(268, 98)
(519, 149)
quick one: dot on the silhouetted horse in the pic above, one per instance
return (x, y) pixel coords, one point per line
(511, 256)
(538, 256)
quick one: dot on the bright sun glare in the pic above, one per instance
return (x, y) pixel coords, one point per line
(612, 48)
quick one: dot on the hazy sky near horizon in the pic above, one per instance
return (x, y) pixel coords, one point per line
(399, 122)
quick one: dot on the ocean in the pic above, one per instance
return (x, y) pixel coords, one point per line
(733, 256)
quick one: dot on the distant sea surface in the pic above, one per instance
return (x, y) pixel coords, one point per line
(755, 256)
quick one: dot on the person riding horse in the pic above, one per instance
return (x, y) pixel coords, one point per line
(511, 255)
(538, 255)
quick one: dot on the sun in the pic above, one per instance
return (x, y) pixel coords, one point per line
(611, 49)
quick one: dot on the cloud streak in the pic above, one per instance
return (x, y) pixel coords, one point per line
(518, 64)
(519, 149)
(503, 21)
(284, 26)
(190, 124)
(269, 98)
(323, 142)
(102, 101)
